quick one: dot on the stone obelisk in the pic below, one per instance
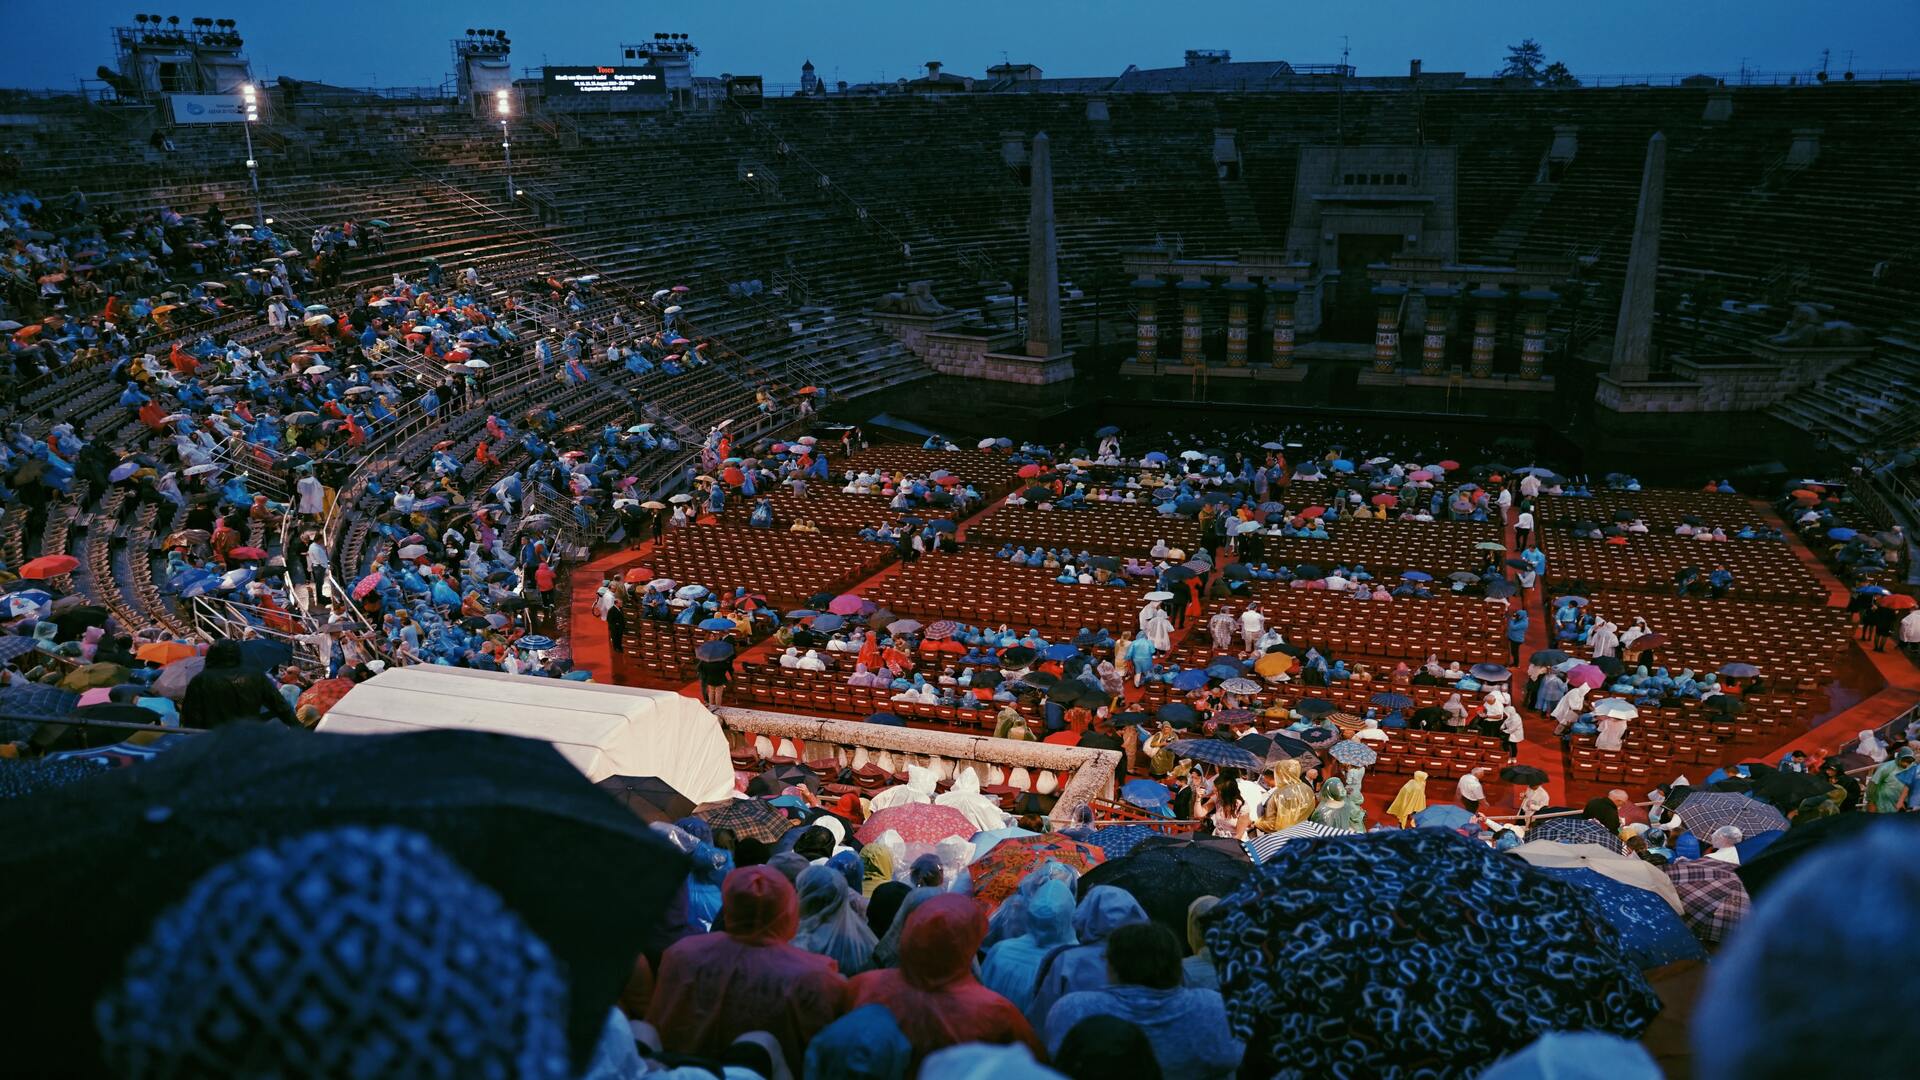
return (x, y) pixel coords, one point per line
(1633, 335)
(1043, 260)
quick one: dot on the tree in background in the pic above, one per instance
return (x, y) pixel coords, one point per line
(1527, 62)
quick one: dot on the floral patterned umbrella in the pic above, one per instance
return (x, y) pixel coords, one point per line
(997, 874)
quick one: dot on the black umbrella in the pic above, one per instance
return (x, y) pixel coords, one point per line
(1523, 774)
(1760, 872)
(780, 778)
(1167, 877)
(648, 796)
(111, 852)
(1104, 562)
(1609, 664)
(1314, 707)
(53, 737)
(1066, 691)
(1018, 656)
(1040, 680)
(1724, 704)
(264, 654)
(1785, 790)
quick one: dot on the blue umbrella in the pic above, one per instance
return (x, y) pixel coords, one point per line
(1222, 671)
(1341, 465)
(1651, 934)
(123, 470)
(1191, 679)
(1417, 575)
(886, 719)
(717, 624)
(1155, 458)
(945, 525)
(537, 642)
(802, 613)
(1841, 534)
(1391, 700)
(1062, 651)
(1118, 840)
(1146, 794)
(1752, 846)
(1443, 816)
(1177, 713)
(828, 623)
(1314, 707)
(1106, 431)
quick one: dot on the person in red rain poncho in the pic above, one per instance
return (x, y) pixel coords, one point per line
(713, 988)
(932, 994)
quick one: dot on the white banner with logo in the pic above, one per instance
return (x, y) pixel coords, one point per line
(208, 108)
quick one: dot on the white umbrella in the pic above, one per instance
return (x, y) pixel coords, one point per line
(1617, 708)
(1159, 594)
(1625, 869)
(478, 364)
(683, 497)
(318, 369)
(1192, 455)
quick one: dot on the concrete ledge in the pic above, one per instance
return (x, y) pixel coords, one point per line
(1497, 383)
(1086, 774)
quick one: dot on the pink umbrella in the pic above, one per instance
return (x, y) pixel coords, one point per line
(845, 604)
(1586, 675)
(1420, 474)
(917, 823)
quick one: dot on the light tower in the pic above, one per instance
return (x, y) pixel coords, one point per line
(250, 98)
(503, 106)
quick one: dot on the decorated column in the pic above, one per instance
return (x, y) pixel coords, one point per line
(1238, 293)
(1193, 344)
(1533, 340)
(1386, 328)
(1433, 341)
(1486, 315)
(1146, 327)
(1282, 295)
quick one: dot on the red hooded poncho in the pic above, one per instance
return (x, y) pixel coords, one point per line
(932, 994)
(713, 988)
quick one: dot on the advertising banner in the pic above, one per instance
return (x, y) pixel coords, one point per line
(603, 80)
(207, 108)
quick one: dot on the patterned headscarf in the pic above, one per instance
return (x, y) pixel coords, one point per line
(1412, 952)
(347, 953)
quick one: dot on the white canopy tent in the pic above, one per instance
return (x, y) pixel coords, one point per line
(603, 730)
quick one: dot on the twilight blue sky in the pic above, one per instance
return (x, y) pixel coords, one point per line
(362, 42)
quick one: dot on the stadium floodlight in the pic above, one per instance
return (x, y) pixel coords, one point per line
(250, 103)
(503, 106)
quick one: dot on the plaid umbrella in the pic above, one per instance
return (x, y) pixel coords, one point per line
(1118, 840)
(1705, 811)
(1215, 752)
(1279, 746)
(1712, 897)
(749, 819)
(33, 699)
(998, 873)
(1290, 959)
(1575, 830)
(1265, 845)
(917, 823)
(1650, 933)
(1353, 752)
